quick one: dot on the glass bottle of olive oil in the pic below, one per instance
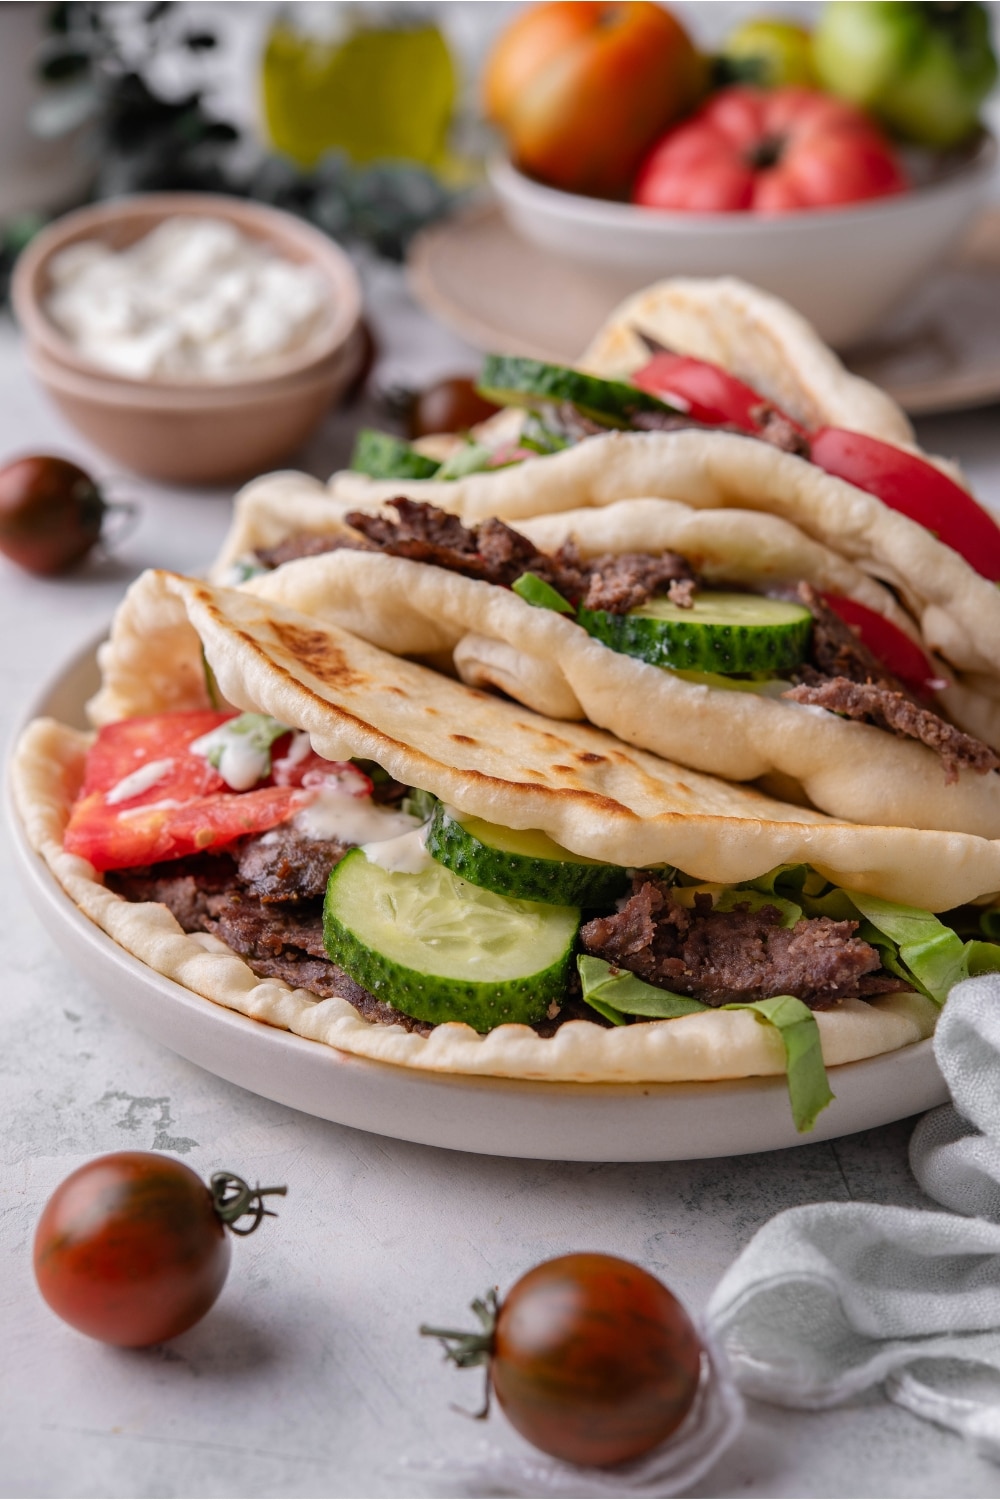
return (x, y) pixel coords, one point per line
(383, 87)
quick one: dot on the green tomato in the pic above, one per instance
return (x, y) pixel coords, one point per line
(923, 69)
(772, 54)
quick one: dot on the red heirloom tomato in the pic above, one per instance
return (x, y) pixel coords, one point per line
(132, 1249)
(904, 481)
(592, 1359)
(771, 151)
(580, 89)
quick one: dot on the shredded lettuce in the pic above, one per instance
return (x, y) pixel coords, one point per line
(930, 955)
(419, 804)
(240, 749)
(538, 437)
(726, 897)
(471, 458)
(534, 590)
(618, 995)
(923, 952)
(809, 1089)
(211, 685)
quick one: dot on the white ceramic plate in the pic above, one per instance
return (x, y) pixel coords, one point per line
(494, 1116)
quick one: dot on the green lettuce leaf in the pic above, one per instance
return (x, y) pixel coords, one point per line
(934, 956)
(619, 995)
(809, 1089)
(419, 804)
(471, 458)
(534, 590)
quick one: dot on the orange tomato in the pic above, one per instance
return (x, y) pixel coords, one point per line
(581, 88)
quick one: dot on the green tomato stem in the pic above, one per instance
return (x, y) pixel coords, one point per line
(233, 1199)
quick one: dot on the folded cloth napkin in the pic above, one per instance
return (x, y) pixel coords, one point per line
(832, 1298)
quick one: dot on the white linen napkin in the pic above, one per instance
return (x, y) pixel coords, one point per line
(832, 1298)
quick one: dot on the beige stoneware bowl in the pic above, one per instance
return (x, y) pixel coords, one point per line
(199, 431)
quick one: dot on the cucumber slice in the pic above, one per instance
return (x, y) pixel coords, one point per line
(720, 633)
(382, 456)
(510, 381)
(439, 949)
(524, 863)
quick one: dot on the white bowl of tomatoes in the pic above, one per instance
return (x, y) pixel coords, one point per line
(845, 267)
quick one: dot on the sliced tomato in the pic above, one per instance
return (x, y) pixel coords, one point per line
(916, 489)
(895, 650)
(706, 391)
(187, 807)
(124, 748)
(304, 768)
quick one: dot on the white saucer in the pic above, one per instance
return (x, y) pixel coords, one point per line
(493, 1116)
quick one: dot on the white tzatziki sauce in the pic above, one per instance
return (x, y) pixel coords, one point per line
(241, 758)
(167, 805)
(137, 782)
(335, 813)
(403, 855)
(193, 299)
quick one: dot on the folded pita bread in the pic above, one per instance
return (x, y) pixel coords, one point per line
(500, 762)
(493, 639)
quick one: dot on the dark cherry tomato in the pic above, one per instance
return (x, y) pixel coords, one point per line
(51, 514)
(132, 1248)
(593, 1360)
(452, 405)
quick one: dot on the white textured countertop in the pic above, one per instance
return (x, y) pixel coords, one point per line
(308, 1377)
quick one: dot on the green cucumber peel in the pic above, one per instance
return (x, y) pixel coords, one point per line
(512, 380)
(382, 456)
(618, 996)
(534, 590)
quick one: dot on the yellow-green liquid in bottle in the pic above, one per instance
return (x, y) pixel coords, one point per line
(378, 92)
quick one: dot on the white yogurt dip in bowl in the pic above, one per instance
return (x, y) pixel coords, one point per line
(194, 299)
(192, 336)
